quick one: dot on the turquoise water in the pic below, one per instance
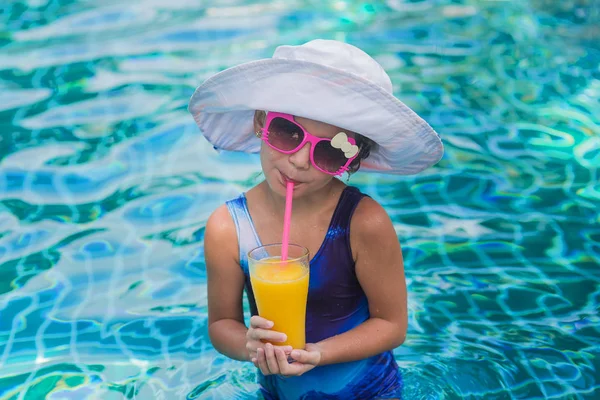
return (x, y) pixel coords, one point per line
(106, 185)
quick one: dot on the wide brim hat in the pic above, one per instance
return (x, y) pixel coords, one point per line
(323, 80)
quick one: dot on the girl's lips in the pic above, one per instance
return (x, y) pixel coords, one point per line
(288, 179)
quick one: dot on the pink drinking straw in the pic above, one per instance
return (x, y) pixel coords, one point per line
(287, 217)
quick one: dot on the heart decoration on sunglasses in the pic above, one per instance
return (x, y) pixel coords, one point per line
(340, 141)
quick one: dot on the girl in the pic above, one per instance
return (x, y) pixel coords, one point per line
(314, 112)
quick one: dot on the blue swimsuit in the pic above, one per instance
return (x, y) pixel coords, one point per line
(336, 304)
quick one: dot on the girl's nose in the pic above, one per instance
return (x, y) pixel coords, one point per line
(301, 158)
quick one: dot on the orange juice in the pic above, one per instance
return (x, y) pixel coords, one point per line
(280, 291)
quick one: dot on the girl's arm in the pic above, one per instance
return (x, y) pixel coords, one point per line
(380, 271)
(225, 281)
(226, 329)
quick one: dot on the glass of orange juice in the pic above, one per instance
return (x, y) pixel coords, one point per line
(281, 289)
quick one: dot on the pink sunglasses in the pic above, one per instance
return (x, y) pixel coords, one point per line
(331, 156)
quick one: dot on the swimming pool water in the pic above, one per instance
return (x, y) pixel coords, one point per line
(106, 185)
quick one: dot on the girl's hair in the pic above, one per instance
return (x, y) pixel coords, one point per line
(364, 150)
(364, 143)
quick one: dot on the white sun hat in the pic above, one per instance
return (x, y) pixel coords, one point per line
(324, 80)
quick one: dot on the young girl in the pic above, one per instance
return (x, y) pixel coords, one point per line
(314, 112)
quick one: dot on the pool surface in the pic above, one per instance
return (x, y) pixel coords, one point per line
(106, 185)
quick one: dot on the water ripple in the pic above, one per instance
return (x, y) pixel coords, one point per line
(106, 185)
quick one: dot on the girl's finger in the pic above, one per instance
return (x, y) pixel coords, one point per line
(265, 334)
(271, 360)
(282, 362)
(260, 322)
(306, 357)
(262, 361)
(286, 349)
(254, 346)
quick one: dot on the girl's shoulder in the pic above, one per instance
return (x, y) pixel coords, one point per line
(370, 222)
(220, 231)
(368, 211)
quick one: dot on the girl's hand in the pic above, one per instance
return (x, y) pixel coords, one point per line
(260, 329)
(273, 360)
